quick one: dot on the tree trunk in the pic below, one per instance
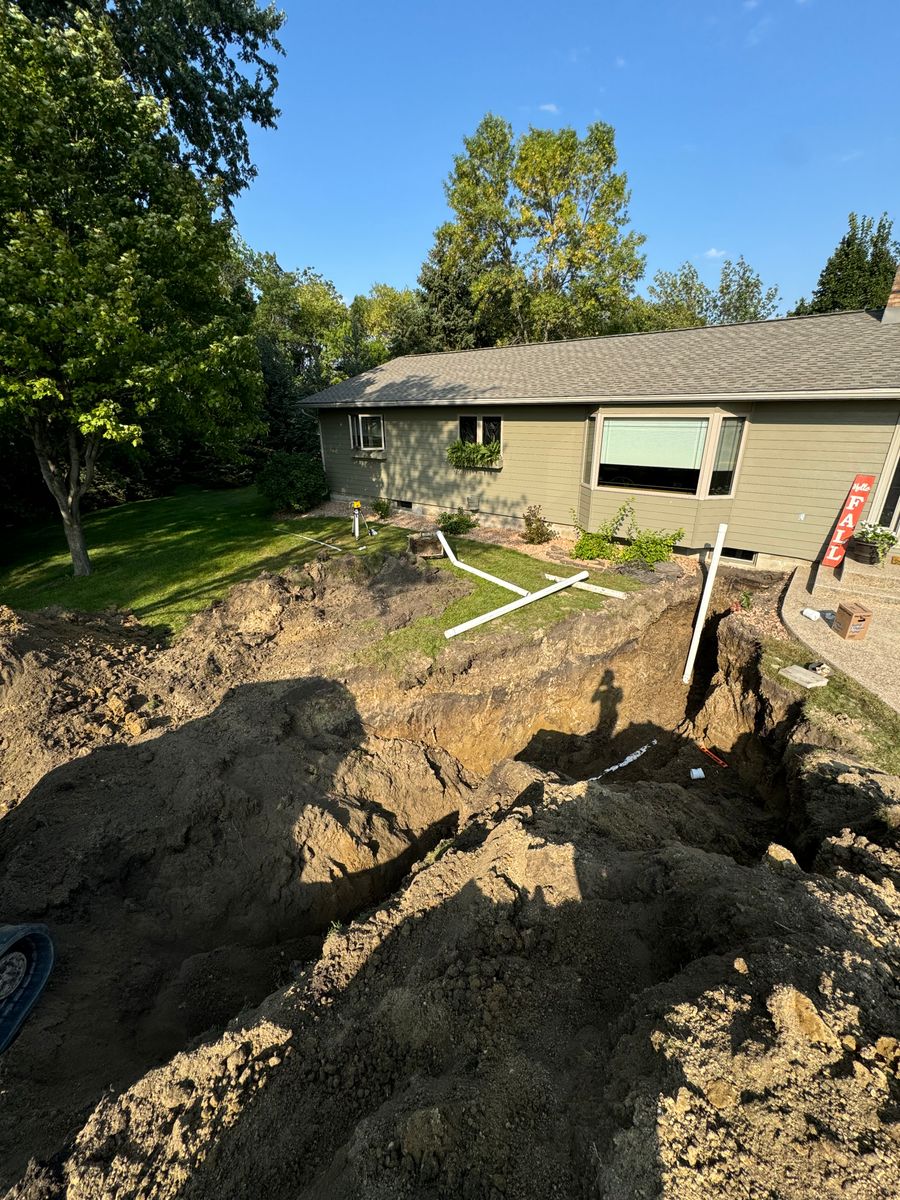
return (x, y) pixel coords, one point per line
(75, 537)
(67, 492)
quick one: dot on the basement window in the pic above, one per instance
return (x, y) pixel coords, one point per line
(482, 430)
(657, 454)
(366, 431)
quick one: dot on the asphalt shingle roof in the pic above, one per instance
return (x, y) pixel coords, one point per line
(835, 353)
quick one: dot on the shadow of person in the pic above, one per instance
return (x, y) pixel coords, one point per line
(609, 696)
(181, 876)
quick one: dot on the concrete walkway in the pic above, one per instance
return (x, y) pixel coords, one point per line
(875, 661)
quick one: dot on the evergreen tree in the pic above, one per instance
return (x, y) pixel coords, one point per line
(860, 271)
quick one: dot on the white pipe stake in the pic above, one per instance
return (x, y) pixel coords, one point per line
(704, 603)
(591, 587)
(514, 604)
(331, 545)
(510, 587)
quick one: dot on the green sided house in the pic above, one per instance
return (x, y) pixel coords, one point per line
(762, 425)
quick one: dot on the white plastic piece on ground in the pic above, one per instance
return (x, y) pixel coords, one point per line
(625, 761)
(704, 603)
(513, 605)
(510, 587)
(591, 587)
(812, 613)
(697, 773)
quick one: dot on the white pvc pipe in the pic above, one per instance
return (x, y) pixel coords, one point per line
(591, 587)
(510, 587)
(704, 603)
(514, 604)
(331, 545)
(625, 761)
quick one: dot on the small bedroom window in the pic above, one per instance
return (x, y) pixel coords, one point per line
(366, 431)
(483, 430)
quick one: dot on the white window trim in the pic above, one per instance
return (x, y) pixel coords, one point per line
(360, 449)
(714, 429)
(479, 419)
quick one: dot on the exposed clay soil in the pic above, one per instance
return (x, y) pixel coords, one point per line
(617, 987)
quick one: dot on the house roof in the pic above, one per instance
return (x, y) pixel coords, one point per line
(814, 357)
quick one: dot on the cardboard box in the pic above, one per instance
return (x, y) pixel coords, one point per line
(852, 621)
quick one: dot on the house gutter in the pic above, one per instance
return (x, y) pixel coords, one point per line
(374, 402)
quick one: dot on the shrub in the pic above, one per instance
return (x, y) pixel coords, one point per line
(381, 508)
(632, 545)
(458, 522)
(293, 481)
(472, 455)
(537, 528)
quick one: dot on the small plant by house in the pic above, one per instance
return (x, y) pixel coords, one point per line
(381, 508)
(621, 540)
(537, 528)
(294, 482)
(870, 533)
(456, 523)
(470, 456)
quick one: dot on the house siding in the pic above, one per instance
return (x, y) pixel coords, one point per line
(541, 460)
(802, 458)
(798, 457)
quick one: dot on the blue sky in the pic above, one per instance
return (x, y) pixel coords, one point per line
(745, 126)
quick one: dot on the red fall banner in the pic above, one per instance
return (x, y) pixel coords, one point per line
(847, 521)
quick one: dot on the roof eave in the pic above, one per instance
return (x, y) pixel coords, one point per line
(889, 393)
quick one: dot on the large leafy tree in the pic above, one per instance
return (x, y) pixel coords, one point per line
(297, 316)
(680, 299)
(860, 270)
(114, 310)
(539, 231)
(210, 61)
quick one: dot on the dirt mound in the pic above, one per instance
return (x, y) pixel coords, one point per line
(623, 986)
(563, 1005)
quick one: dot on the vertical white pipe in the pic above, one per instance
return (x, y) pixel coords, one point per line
(704, 603)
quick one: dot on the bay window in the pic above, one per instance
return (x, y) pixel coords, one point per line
(685, 455)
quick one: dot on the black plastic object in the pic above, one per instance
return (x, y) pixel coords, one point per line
(26, 960)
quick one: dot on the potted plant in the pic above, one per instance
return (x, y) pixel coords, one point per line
(473, 456)
(870, 542)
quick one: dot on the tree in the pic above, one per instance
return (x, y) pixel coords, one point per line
(538, 232)
(398, 319)
(680, 299)
(446, 287)
(296, 317)
(114, 307)
(860, 270)
(206, 59)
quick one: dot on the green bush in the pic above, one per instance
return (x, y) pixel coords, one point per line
(620, 540)
(537, 528)
(472, 455)
(458, 522)
(293, 481)
(381, 508)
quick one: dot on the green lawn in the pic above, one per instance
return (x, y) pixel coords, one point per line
(873, 723)
(166, 559)
(426, 634)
